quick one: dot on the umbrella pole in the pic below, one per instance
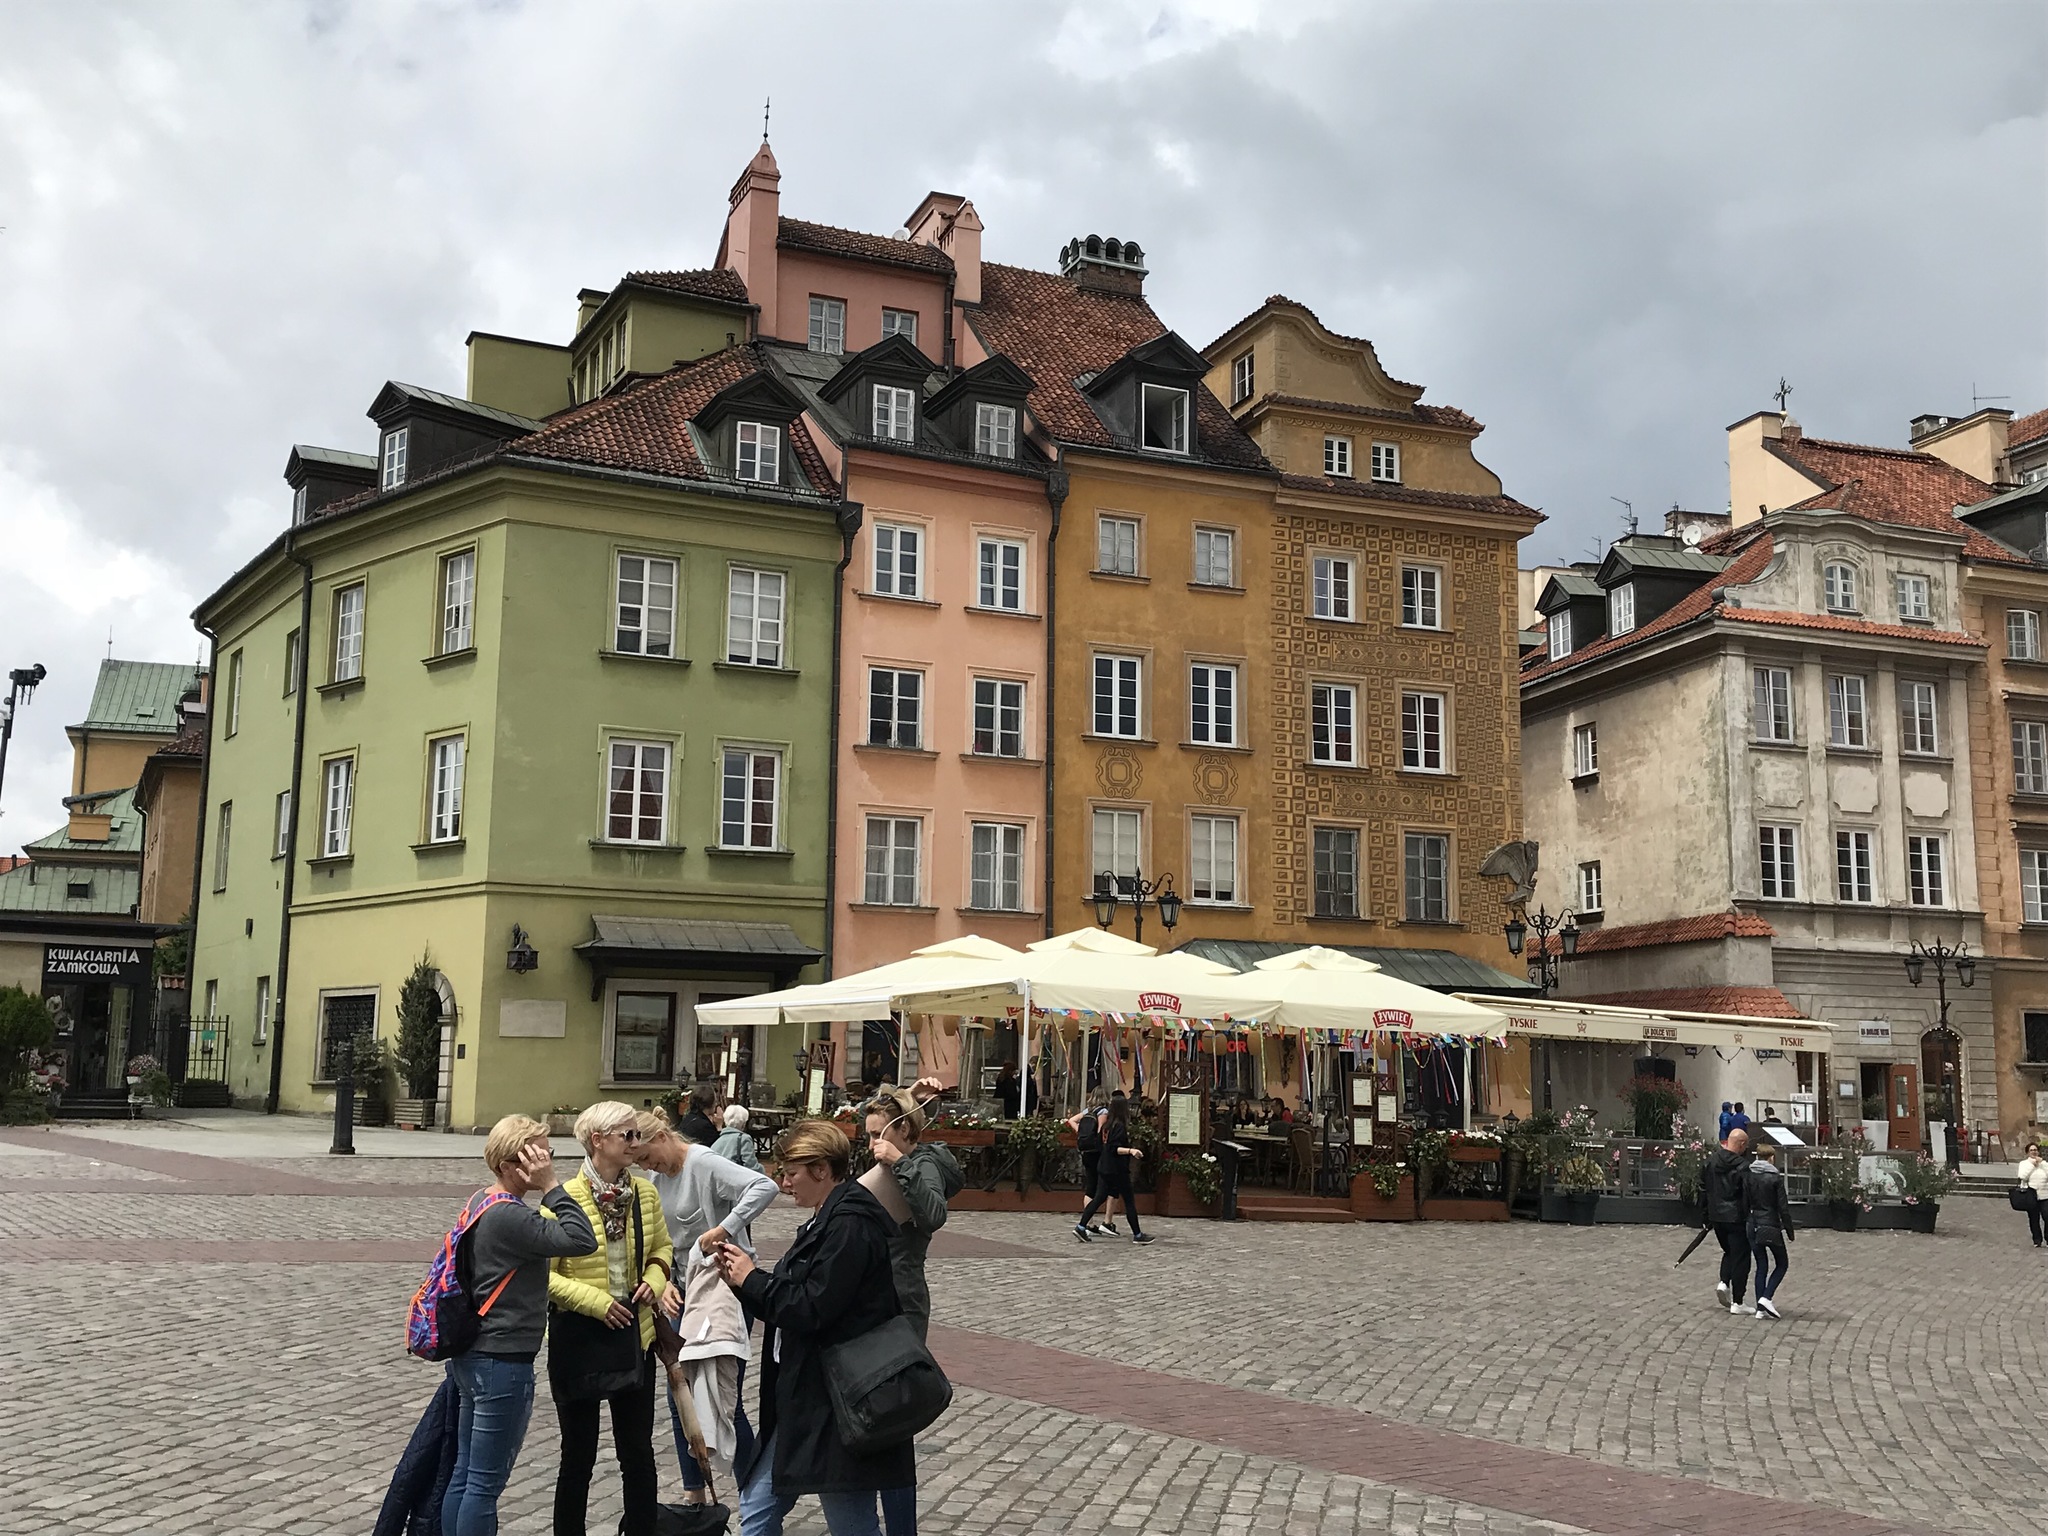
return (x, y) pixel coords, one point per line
(1024, 1050)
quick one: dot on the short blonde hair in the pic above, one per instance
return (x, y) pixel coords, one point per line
(817, 1141)
(509, 1138)
(605, 1115)
(899, 1108)
(652, 1123)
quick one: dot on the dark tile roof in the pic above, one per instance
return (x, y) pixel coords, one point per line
(139, 696)
(189, 742)
(720, 284)
(1374, 490)
(1435, 415)
(1749, 1002)
(1702, 603)
(696, 935)
(645, 425)
(2027, 430)
(1058, 333)
(395, 391)
(853, 245)
(1893, 485)
(339, 458)
(44, 888)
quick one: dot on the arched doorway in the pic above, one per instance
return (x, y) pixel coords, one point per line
(1941, 1082)
(444, 1098)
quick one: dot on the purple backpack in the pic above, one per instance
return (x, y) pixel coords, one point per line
(442, 1321)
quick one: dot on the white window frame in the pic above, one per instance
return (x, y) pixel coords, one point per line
(337, 806)
(1213, 697)
(995, 430)
(351, 612)
(1590, 894)
(458, 601)
(2022, 634)
(638, 759)
(1333, 724)
(1337, 456)
(299, 499)
(1321, 863)
(281, 825)
(1122, 825)
(827, 332)
(2030, 757)
(294, 646)
(757, 452)
(1000, 566)
(755, 638)
(224, 822)
(1333, 588)
(1770, 703)
(262, 1020)
(890, 885)
(1422, 596)
(1557, 634)
(1000, 702)
(446, 756)
(995, 866)
(1839, 585)
(1180, 408)
(895, 414)
(1914, 594)
(1848, 711)
(1621, 608)
(749, 767)
(642, 624)
(1124, 677)
(1855, 866)
(2034, 885)
(1425, 731)
(1778, 862)
(896, 708)
(1586, 750)
(234, 693)
(1242, 375)
(393, 450)
(1111, 534)
(1919, 718)
(1926, 869)
(1416, 849)
(899, 560)
(900, 322)
(1386, 463)
(1213, 840)
(1208, 541)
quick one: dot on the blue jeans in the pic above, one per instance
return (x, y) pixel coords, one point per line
(762, 1508)
(497, 1401)
(899, 1510)
(743, 1434)
(1765, 1249)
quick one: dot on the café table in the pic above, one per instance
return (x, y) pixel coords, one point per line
(1263, 1144)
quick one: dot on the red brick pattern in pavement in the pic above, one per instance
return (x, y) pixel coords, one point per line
(1545, 1485)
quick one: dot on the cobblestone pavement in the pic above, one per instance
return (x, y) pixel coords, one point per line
(1295, 1380)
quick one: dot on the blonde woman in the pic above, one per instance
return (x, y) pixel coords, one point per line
(602, 1328)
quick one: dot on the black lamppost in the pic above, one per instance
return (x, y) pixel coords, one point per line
(22, 683)
(1944, 956)
(1135, 889)
(1545, 969)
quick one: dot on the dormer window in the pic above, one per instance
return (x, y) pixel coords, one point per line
(995, 431)
(900, 322)
(392, 456)
(1560, 628)
(895, 414)
(1621, 609)
(299, 505)
(757, 455)
(1163, 425)
(1838, 586)
(1241, 378)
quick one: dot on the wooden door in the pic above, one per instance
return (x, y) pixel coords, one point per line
(1902, 1105)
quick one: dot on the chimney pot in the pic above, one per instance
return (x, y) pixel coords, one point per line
(1104, 266)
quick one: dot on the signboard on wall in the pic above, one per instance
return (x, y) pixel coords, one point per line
(126, 965)
(1874, 1032)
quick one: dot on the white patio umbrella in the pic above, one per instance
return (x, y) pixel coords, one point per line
(968, 961)
(1326, 989)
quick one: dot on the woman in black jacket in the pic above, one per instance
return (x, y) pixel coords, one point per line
(833, 1284)
(1113, 1177)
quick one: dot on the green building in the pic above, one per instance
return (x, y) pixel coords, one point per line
(547, 703)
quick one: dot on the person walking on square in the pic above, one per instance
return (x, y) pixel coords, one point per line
(1724, 1192)
(2033, 1179)
(1770, 1226)
(601, 1334)
(509, 1249)
(1119, 1157)
(1087, 1129)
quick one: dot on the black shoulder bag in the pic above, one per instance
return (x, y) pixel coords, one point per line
(588, 1359)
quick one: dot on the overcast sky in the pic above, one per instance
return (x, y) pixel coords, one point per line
(1605, 229)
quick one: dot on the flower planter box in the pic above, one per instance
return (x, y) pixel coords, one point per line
(1174, 1198)
(1472, 1154)
(950, 1137)
(1841, 1215)
(1457, 1208)
(1366, 1204)
(1580, 1206)
(413, 1114)
(1900, 1217)
(561, 1125)
(372, 1112)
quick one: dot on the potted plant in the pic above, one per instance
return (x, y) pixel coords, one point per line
(370, 1066)
(1188, 1184)
(1655, 1102)
(1382, 1187)
(1582, 1179)
(1836, 1187)
(1036, 1141)
(417, 1053)
(562, 1120)
(1925, 1183)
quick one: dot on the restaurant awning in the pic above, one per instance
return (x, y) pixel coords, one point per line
(1441, 970)
(1563, 1019)
(641, 944)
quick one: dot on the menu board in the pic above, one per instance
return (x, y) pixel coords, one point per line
(1184, 1119)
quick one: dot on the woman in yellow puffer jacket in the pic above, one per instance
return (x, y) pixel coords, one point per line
(592, 1300)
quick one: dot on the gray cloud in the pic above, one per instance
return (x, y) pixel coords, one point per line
(1604, 228)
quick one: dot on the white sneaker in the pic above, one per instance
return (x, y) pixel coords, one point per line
(1737, 1309)
(1722, 1294)
(1765, 1307)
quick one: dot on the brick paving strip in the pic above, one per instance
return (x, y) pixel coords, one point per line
(1543, 1485)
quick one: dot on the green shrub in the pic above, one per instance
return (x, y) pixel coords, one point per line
(418, 1050)
(25, 1026)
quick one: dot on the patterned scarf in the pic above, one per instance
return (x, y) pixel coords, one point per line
(614, 1201)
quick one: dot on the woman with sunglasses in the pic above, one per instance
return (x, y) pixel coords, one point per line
(593, 1302)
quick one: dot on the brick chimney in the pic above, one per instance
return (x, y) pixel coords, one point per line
(1104, 266)
(750, 231)
(949, 222)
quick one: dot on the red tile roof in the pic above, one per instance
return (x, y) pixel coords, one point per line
(853, 245)
(1893, 485)
(1750, 1002)
(1435, 415)
(1672, 930)
(189, 742)
(1834, 621)
(1056, 333)
(1281, 298)
(1702, 603)
(645, 425)
(721, 284)
(2027, 429)
(1506, 506)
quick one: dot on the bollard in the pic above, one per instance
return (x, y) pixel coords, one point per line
(344, 1116)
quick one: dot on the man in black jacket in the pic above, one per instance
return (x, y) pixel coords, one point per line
(1725, 1193)
(1770, 1224)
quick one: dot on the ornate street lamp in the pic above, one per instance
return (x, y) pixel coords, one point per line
(1135, 890)
(1545, 968)
(1965, 963)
